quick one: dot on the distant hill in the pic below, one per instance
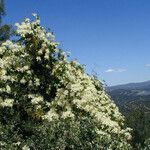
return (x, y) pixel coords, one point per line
(129, 86)
(133, 100)
(123, 94)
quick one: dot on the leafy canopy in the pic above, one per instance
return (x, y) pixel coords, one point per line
(5, 30)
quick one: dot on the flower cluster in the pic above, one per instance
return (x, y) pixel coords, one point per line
(39, 83)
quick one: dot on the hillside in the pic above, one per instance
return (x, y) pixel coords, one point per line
(133, 100)
(139, 85)
(132, 92)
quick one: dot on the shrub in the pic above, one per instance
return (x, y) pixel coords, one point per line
(48, 102)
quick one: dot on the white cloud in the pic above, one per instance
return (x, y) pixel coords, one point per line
(110, 70)
(147, 65)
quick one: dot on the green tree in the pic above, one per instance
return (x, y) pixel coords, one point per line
(2, 12)
(5, 30)
(48, 102)
(139, 121)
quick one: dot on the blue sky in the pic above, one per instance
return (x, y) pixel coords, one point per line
(111, 37)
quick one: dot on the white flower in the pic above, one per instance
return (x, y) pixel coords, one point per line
(18, 143)
(7, 103)
(36, 99)
(25, 68)
(34, 14)
(25, 147)
(27, 20)
(3, 143)
(67, 114)
(22, 81)
(17, 24)
(37, 81)
(51, 115)
(8, 89)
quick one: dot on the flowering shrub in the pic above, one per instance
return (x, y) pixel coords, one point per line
(48, 102)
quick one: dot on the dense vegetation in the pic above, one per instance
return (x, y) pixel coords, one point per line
(48, 102)
(134, 102)
(5, 30)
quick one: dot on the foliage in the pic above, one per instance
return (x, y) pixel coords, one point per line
(48, 102)
(2, 10)
(139, 121)
(5, 30)
(147, 144)
(136, 108)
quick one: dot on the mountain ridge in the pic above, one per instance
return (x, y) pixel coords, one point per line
(133, 101)
(129, 86)
(131, 92)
